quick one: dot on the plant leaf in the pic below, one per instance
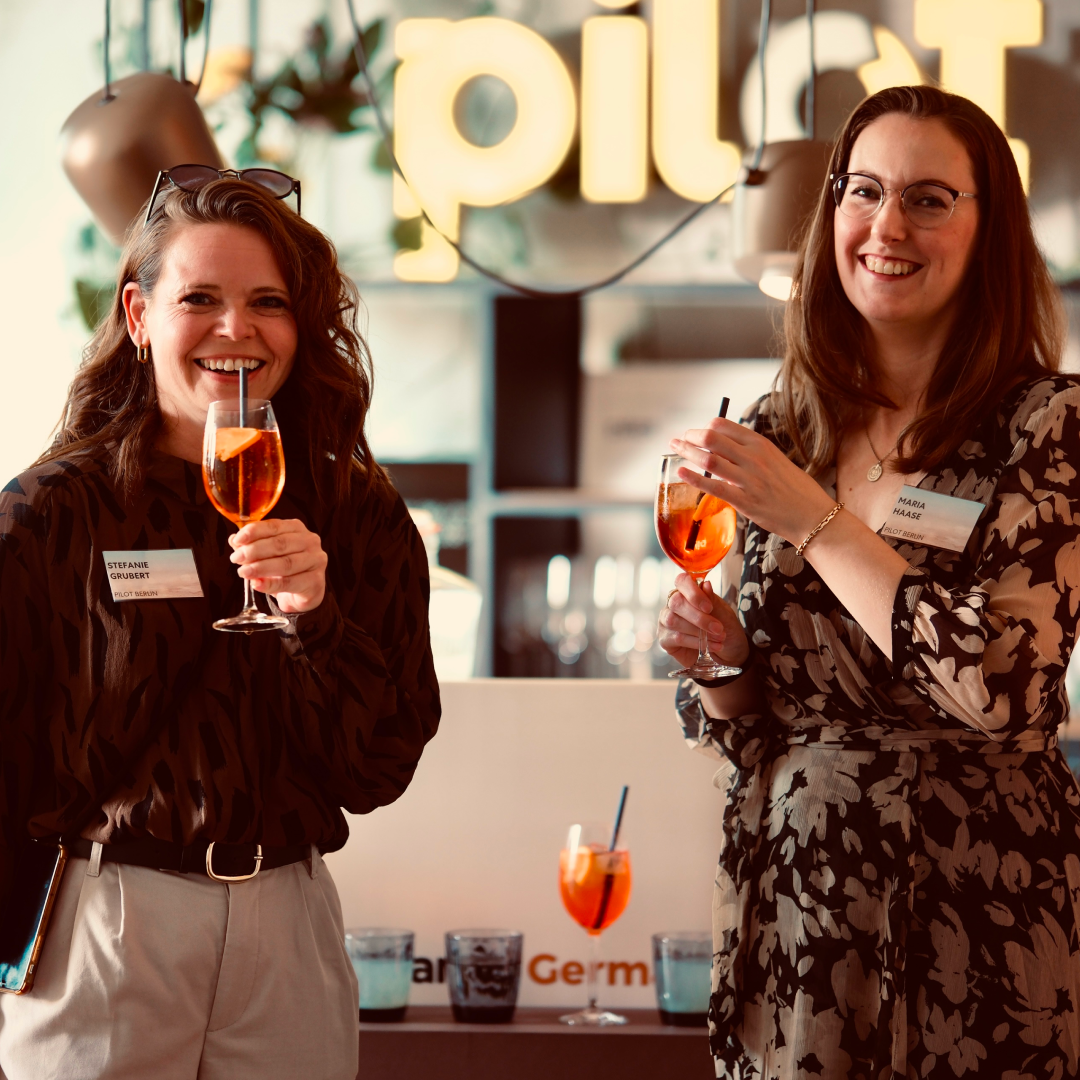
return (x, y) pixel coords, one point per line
(94, 300)
(407, 234)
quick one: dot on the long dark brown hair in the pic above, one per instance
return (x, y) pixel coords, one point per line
(112, 405)
(1009, 322)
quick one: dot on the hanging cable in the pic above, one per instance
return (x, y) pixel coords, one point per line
(492, 275)
(144, 37)
(763, 41)
(811, 114)
(206, 43)
(253, 34)
(183, 38)
(107, 95)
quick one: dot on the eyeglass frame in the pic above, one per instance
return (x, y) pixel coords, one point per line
(835, 178)
(235, 174)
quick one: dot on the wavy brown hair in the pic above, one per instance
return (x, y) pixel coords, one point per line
(1009, 322)
(112, 403)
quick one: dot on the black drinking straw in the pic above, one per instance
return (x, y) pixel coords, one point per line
(244, 394)
(695, 525)
(609, 879)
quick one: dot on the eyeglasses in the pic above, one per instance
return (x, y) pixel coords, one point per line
(926, 204)
(193, 177)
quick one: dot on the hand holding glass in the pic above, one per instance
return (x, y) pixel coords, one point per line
(696, 531)
(244, 474)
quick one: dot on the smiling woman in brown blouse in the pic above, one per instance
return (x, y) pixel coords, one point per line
(140, 734)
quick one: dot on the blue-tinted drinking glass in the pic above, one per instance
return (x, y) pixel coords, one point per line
(383, 962)
(682, 961)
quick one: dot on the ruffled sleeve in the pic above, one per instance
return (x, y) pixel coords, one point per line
(990, 654)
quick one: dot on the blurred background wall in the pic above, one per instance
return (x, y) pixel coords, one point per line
(527, 429)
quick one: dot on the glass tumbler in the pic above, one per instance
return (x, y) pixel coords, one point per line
(383, 962)
(483, 972)
(682, 962)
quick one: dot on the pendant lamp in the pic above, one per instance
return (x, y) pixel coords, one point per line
(781, 183)
(119, 138)
(771, 208)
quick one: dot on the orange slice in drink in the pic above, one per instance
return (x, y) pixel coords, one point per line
(709, 505)
(583, 866)
(231, 440)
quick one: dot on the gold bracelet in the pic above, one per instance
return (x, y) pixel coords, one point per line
(820, 525)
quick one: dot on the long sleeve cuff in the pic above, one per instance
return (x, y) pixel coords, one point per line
(314, 635)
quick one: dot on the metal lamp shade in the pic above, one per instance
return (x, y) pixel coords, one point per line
(114, 149)
(769, 217)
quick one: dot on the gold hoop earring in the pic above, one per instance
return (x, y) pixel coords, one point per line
(143, 352)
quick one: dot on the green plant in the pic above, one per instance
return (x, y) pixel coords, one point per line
(94, 283)
(315, 88)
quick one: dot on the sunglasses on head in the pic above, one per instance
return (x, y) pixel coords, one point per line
(193, 177)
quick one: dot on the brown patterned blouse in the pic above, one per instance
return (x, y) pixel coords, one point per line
(120, 720)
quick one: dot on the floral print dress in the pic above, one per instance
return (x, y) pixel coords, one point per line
(898, 893)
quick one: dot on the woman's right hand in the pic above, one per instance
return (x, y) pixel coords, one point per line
(690, 607)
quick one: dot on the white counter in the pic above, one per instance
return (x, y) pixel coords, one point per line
(475, 840)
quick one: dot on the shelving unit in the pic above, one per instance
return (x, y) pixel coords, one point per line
(534, 1047)
(487, 503)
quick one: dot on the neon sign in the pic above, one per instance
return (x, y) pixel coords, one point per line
(439, 57)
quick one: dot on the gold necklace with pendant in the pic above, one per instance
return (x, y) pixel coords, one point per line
(873, 474)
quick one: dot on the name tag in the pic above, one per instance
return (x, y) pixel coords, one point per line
(152, 575)
(926, 517)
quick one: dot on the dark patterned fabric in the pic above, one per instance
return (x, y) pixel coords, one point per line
(898, 893)
(128, 719)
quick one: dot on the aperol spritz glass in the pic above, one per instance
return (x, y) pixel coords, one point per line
(244, 473)
(594, 882)
(696, 531)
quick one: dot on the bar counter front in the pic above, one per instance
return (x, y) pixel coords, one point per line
(474, 843)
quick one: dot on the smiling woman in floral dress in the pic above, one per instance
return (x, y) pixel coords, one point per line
(898, 893)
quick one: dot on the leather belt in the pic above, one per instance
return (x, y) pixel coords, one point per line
(222, 862)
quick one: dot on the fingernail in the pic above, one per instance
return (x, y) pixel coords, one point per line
(235, 557)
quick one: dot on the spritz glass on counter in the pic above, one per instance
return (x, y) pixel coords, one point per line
(244, 474)
(594, 882)
(696, 530)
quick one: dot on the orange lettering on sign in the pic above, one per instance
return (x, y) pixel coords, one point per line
(572, 972)
(534, 971)
(627, 972)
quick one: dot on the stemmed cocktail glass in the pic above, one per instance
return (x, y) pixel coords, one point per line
(244, 473)
(594, 882)
(696, 530)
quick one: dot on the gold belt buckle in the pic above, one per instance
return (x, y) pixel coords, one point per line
(221, 877)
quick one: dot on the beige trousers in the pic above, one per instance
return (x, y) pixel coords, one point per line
(148, 974)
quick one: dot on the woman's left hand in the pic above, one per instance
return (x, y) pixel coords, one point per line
(753, 475)
(283, 558)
